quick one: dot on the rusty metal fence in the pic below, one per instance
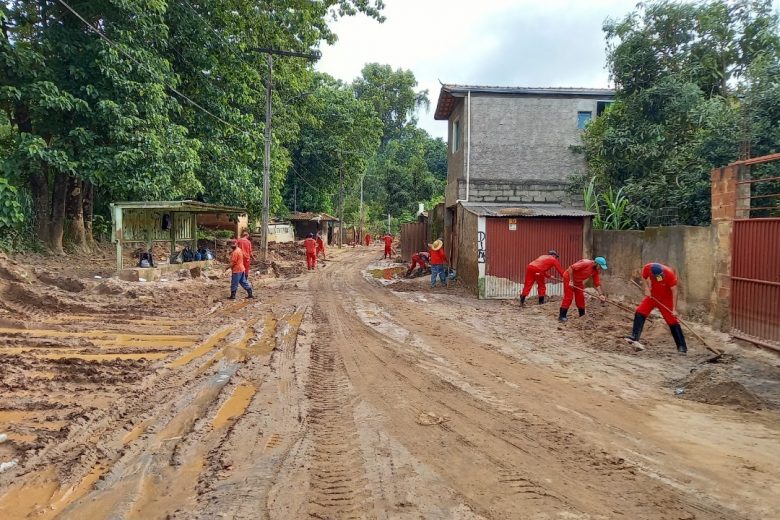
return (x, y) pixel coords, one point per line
(414, 238)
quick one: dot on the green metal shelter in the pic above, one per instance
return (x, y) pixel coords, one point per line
(160, 221)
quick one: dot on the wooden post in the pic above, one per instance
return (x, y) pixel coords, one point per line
(173, 235)
(194, 231)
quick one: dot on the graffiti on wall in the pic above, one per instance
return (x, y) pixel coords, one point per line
(481, 247)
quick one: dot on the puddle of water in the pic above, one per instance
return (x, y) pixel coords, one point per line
(164, 494)
(203, 348)
(107, 357)
(144, 343)
(266, 343)
(238, 351)
(235, 406)
(135, 432)
(58, 333)
(388, 273)
(21, 437)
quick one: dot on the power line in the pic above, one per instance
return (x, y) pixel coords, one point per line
(139, 64)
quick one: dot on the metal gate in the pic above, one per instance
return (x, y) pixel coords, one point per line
(755, 278)
(414, 238)
(512, 243)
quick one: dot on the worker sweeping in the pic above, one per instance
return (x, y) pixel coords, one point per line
(574, 284)
(388, 240)
(245, 244)
(438, 259)
(310, 245)
(660, 284)
(537, 271)
(367, 238)
(420, 259)
(320, 246)
(237, 268)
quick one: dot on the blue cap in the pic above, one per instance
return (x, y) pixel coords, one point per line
(657, 269)
(601, 261)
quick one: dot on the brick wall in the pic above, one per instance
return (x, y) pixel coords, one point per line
(521, 192)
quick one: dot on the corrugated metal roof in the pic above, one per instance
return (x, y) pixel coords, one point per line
(484, 209)
(449, 93)
(192, 206)
(312, 216)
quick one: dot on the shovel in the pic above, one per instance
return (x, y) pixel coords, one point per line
(715, 351)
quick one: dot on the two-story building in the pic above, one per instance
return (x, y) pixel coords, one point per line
(511, 151)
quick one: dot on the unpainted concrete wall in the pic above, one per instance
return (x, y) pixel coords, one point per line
(690, 250)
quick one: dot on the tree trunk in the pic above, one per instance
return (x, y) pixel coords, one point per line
(74, 232)
(88, 208)
(57, 217)
(39, 179)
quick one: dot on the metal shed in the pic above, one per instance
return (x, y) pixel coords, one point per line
(160, 221)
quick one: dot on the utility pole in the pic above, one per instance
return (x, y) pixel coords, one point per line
(360, 233)
(267, 157)
(341, 205)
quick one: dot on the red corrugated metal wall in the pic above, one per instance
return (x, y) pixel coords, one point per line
(755, 278)
(414, 238)
(508, 251)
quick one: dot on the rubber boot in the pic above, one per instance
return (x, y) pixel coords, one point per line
(582, 312)
(249, 293)
(679, 339)
(232, 295)
(562, 314)
(541, 300)
(522, 300)
(639, 324)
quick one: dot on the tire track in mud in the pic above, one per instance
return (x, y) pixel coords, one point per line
(511, 452)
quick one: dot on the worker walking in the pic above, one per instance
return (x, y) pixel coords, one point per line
(245, 245)
(320, 246)
(310, 245)
(368, 239)
(420, 259)
(438, 259)
(537, 272)
(238, 276)
(388, 239)
(574, 284)
(660, 283)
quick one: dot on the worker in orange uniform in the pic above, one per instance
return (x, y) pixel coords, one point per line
(418, 259)
(388, 239)
(367, 238)
(245, 245)
(537, 272)
(320, 246)
(311, 252)
(238, 274)
(438, 259)
(660, 284)
(573, 283)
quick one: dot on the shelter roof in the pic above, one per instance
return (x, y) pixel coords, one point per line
(449, 94)
(190, 206)
(319, 217)
(484, 209)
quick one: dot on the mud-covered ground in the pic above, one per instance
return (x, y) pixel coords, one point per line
(345, 393)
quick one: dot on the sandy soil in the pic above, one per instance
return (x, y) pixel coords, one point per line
(347, 393)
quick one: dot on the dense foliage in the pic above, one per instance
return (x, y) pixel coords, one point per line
(173, 106)
(697, 87)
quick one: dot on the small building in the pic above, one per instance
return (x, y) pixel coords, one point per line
(280, 232)
(307, 222)
(169, 222)
(511, 151)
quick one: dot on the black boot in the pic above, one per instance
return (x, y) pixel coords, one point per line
(639, 324)
(249, 293)
(562, 314)
(541, 300)
(679, 339)
(522, 300)
(232, 295)
(582, 312)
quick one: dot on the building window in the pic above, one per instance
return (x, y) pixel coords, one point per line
(601, 106)
(455, 136)
(583, 118)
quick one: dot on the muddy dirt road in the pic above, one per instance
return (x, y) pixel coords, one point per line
(333, 396)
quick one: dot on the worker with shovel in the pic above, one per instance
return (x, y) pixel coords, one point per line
(537, 271)
(574, 284)
(660, 285)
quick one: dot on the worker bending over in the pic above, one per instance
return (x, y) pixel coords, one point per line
(660, 284)
(537, 271)
(574, 284)
(310, 245)
(420, 259)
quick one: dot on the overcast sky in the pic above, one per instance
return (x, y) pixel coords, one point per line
(548, 43)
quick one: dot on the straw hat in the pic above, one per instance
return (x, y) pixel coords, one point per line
(437, 245)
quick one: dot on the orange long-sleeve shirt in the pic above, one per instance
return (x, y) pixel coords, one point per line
(237, 261)
(584, 269)
(546, 262)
